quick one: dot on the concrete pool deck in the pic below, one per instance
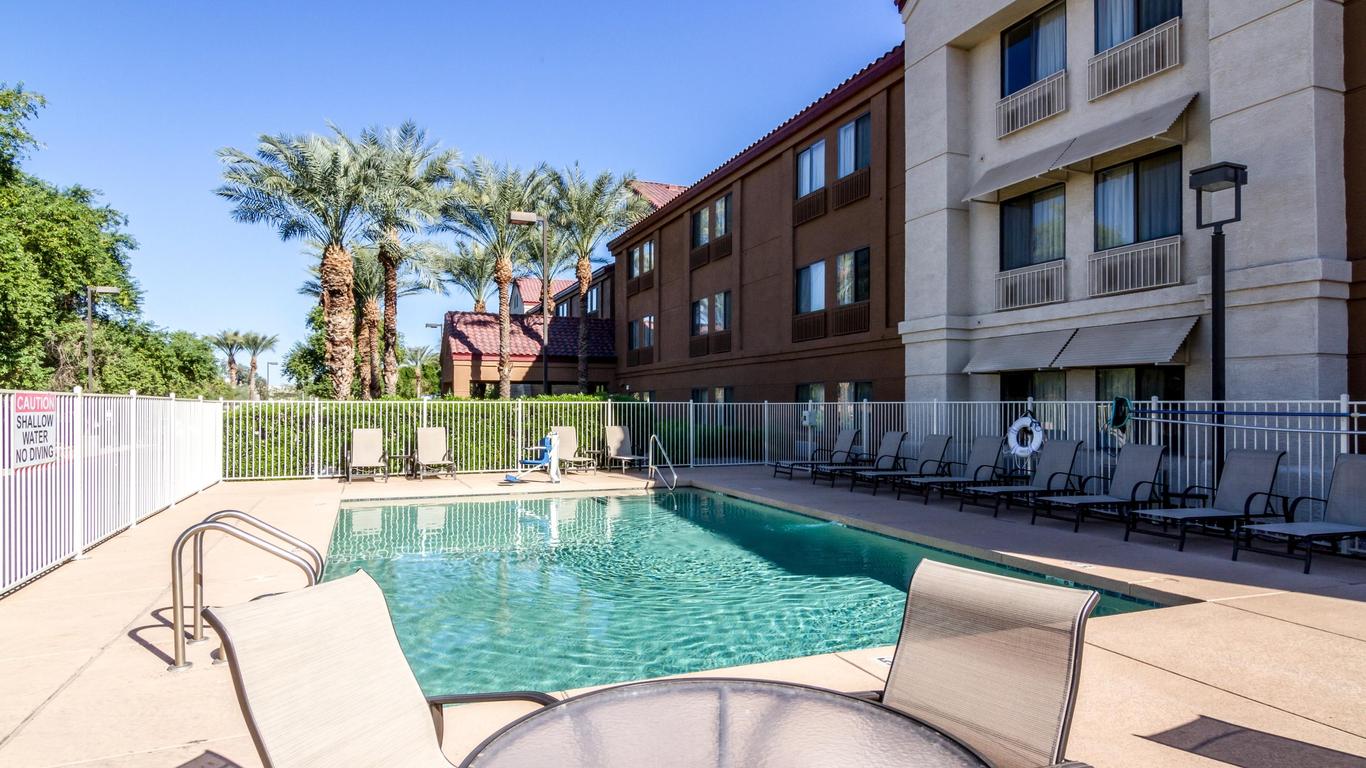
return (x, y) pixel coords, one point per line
(1255, 665)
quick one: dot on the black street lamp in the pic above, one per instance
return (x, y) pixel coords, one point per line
(1208, 180)
(91, 291)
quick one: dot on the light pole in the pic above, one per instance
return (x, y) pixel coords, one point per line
(1207, 181)
(268, 365)
(91, 291)
(527, 219)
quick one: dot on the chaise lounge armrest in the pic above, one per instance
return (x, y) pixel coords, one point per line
(438, 703)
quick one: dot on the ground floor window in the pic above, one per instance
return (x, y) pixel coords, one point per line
(854, 391)
(1040, 385)
(809, 393)
(713, 395)
(1141, 383)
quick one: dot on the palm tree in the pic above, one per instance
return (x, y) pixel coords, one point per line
(418, 357)
(588, 212)
(310, 187)
(229, 343)
(412, 183)
(470, 268)
(256, 343)
(485, 194)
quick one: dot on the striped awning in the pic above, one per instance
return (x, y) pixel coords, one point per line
(1151, 342)
(1025, 352)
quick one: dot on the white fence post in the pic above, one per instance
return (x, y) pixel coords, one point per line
(317, 441)
(1345, 424)
(934, 418)
(521, 441)
(132, 458)
(78, 475)
(1154, 427)
(424, 415)
(863, 429)
(766, 435)
(692, 445)
(168, 476)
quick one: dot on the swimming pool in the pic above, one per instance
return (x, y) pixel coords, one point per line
(556, 593)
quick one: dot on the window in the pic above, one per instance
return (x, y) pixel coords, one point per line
(1034, 49)
(633, 262)
(720, 308)
(562, 309)
(1032, 228)
(723, 394)
(854, 391)
(811, 169)
(701, 229)
(1120, 20)
(856, 145)
(647, 256)
(1141, 383)
(811, 288)
(701, 319)
(640, 334)
(1139, 201)
(851, 277)
(810, 393)
(592, 299)
(698, 395)
(723, 215)
(1040, 385)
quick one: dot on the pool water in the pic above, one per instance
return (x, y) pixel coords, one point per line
(549, 594)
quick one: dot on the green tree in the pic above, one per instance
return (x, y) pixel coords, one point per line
(418, 358)
(17, 106)
(254, 344)
(589, 211)
(229, 343)
(470, 268)
(486, 193)
(306, 362)
(315, 188)
(412, 183)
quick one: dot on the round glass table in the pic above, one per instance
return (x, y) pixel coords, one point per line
(718, 723)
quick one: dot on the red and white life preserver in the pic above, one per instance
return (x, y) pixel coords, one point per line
(1022, 450)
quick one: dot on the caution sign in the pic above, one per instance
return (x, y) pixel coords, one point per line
(33, 429)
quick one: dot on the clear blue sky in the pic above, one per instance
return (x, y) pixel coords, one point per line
(140, 95)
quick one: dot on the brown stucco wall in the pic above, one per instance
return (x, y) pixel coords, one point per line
(458, 375)
(1354, 55)
(764, 363)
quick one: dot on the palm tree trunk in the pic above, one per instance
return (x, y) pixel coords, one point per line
(388, 260)
(502, 274)
(337, 276)
(417, 381)
(480, 306)
(372, 351)
(367, 371)
(232, 371)
(251, 380)
(545, 328)
(584, 272)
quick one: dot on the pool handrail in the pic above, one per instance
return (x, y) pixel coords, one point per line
(654, 468)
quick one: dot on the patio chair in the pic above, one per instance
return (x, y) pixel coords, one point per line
(1244, 492)
(992, 661)
(321, 680)
(982, 466)
(569, 450)
(842, 453)
(928, 460)
(542, 456)
(619, 449)
(433, 453)
(884, 458)
(367, 453)
(1052, 474)
(1344, 516)
(1133, 483)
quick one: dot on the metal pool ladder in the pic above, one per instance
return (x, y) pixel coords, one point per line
(312, 568)
(654, 467)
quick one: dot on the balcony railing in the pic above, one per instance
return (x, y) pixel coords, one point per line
(1135, 267)
(698, 346)
(855, 186)
(699, 256)
(808, 207)
(722, 246)
(1033, 285)
(1154, 51)
(720, 341)
(850, 318)
(1026, 107)
(808, 326)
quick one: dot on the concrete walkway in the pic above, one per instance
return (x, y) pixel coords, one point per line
(1259, 665)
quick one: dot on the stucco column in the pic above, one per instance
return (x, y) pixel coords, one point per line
(1276, 105)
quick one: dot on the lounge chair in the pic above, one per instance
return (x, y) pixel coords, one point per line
(928, 460)
(1344, 516)
(321, 680)
(367, 453)
(885, 458)
(1244, 492)
(842, 453)
(569, 450)
(992, 661)
(433, 453)
(1052, 474)
(982, 467)
(619, 450)
(542, 456)
(1133, 483)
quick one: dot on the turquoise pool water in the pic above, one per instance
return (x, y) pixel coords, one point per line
(549, 594)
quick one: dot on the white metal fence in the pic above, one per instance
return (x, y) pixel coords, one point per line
(119, 459)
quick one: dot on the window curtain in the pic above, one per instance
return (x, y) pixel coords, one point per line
(847, 154)
(1159, 190)
(699, 317)
(1049, 219)
(1154, 12)
(649, 259)
(721, 311)
(811, 288)
(844, 279)
(1115, 23)
(862, 278)
(1050, 45)
(863, 142)
(804, 173)
(722, 215)
(1016, 223)
(1115, 207)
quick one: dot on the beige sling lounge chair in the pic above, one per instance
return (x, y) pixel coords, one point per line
(322, 681)
(992, 661)
(367, 453)
(569, 450)
(620, 451)
(433, 454)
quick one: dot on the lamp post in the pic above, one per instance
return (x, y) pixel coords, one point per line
(91, 291)
(1207, 181)
(527, 219)
(268, 365)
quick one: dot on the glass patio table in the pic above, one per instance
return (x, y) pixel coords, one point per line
(720, 723)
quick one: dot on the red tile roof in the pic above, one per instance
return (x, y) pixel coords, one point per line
(529, 288)
(891, 61)
(657, 193)
(475, 334)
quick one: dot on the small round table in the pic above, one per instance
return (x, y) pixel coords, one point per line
(718, 723)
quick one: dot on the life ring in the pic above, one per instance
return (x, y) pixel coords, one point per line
(1025, 450)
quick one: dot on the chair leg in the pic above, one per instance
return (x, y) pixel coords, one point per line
(1181, 542)
(1308, 552)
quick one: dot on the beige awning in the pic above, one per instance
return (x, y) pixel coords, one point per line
(1133, 128)
(1145, 343)
(1022, 352)
(1030, 166)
